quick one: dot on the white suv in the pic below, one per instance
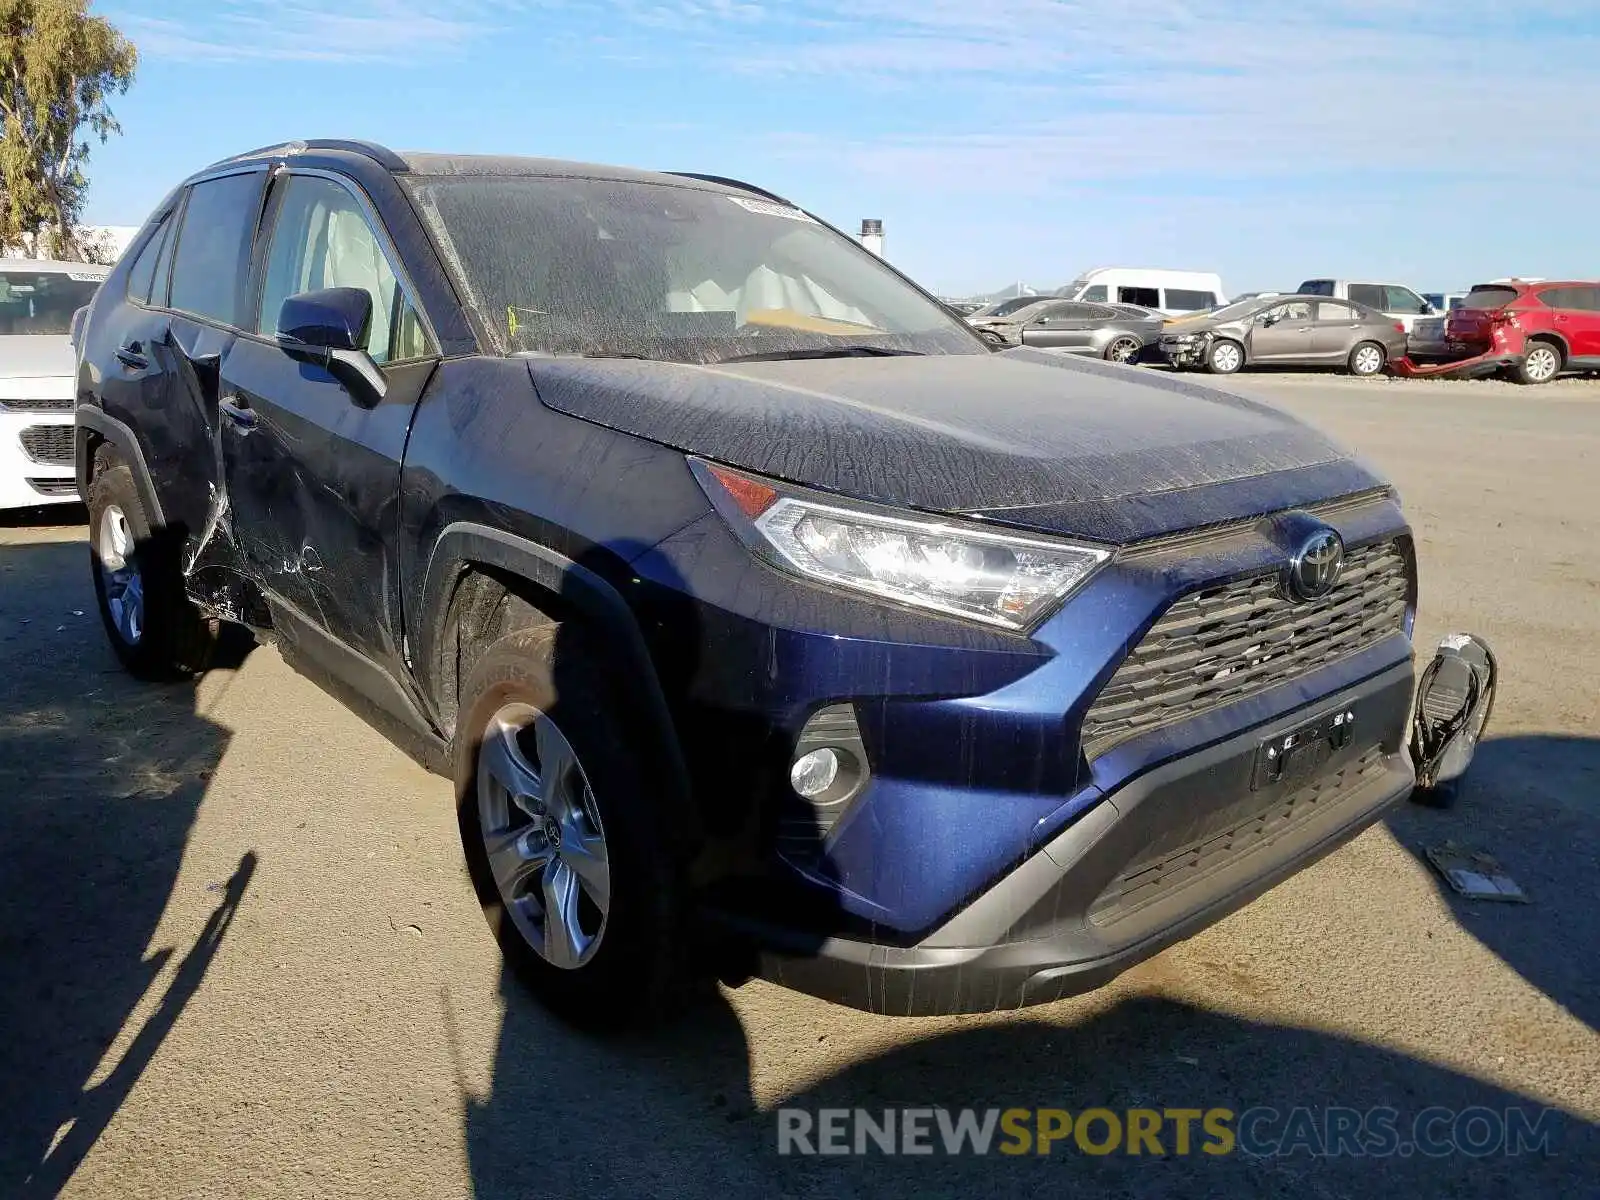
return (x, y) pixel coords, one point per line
(37, 368)
(1391, 299)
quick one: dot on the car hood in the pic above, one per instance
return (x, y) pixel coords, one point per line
(1035, 440)
(36, 356)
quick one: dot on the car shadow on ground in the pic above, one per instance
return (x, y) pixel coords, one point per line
(100, 780)
(1530, 800)
(672, 1114)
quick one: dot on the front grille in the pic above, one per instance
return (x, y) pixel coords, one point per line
(1155, 879)
(54, 487)
(51, 444)
(1225, 643)
(37, 406)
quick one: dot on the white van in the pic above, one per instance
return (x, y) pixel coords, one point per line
(1170, 292)
(1391, 299)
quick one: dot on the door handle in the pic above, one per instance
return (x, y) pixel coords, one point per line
(238, 411)
(131, 355)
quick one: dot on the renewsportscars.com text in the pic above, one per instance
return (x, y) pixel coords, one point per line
(1331, 1132)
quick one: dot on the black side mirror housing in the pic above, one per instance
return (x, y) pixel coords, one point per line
(329, 319)
(331, 327)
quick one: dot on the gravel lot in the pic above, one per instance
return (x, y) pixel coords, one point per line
(242, 957)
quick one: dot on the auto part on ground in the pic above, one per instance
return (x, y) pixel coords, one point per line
(1454, 701)
(1407, 369)
(1474, 874)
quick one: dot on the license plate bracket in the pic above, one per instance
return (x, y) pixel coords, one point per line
(1297, 755)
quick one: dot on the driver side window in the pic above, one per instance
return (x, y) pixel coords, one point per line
(322, 240)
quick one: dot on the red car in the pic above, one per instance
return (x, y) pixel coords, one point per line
(1535, 331)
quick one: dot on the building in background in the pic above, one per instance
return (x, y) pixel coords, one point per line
(872, 235)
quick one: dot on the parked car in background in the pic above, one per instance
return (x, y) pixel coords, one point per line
(37, 300)
(1003, 308)
(1426, 339)
(1391, 299)
(1170, 292)
(1113, 332)
(964, 308)
(766, 621)
(1306, 331)
(1533, 331)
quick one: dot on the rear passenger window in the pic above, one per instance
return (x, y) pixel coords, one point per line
(143, 271)
(1332, 310)
(1147, 297)
(1370, 294)
(1583, 299)
(213, 248)
(1180, 300)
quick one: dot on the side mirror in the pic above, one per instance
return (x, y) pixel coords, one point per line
(329, 319)
(330, 327)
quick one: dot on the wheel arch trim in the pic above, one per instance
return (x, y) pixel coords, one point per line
(126, 443)
(465, 544)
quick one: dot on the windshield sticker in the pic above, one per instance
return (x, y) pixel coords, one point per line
(770, 209)
(83, 278)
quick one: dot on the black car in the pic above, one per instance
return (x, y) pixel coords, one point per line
(767, 620)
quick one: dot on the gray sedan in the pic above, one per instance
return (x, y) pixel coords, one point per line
(1115, 332)
(1302, 331)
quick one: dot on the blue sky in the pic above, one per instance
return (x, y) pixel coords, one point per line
(1413, 140)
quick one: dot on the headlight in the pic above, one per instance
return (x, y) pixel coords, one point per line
(949, 568)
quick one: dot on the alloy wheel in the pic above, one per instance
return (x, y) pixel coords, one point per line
(1541, 364)
(1122, 350)
(119, 572)
(542, 835)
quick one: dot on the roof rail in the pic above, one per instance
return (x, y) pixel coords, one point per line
(733, 183)
(382, 155)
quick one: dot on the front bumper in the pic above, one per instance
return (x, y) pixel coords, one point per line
(1162, 857)
(1183, 354)
(27, 479)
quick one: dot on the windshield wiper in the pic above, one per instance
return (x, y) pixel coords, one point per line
(824, 352)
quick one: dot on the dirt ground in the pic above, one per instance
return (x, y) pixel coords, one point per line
(242, 958)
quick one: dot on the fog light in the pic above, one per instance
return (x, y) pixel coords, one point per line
(814, 773)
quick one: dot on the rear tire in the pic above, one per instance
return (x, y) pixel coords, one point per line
(1123, 350)
(155, 629)
(556, 817)
(1367, 359)
(1540, 364)
(1224, 357)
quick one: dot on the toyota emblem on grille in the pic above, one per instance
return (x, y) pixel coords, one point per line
(1314, 568)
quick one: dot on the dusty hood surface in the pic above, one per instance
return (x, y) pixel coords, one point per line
(1031, 439)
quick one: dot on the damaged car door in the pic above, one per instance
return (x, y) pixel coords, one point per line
(316, 415)
(1283, 333)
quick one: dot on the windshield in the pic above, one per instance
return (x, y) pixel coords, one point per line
(686, 274)
(1238, 310)
(42, 302)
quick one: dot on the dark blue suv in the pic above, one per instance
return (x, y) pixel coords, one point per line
(768, 621)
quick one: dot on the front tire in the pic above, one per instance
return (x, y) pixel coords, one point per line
(1540, 364)
(566, 845)
(1224, 357)
(1367, 359)
(155, 630)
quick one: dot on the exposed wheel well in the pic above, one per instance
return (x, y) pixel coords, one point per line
(1549, 339)
(487, 604)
